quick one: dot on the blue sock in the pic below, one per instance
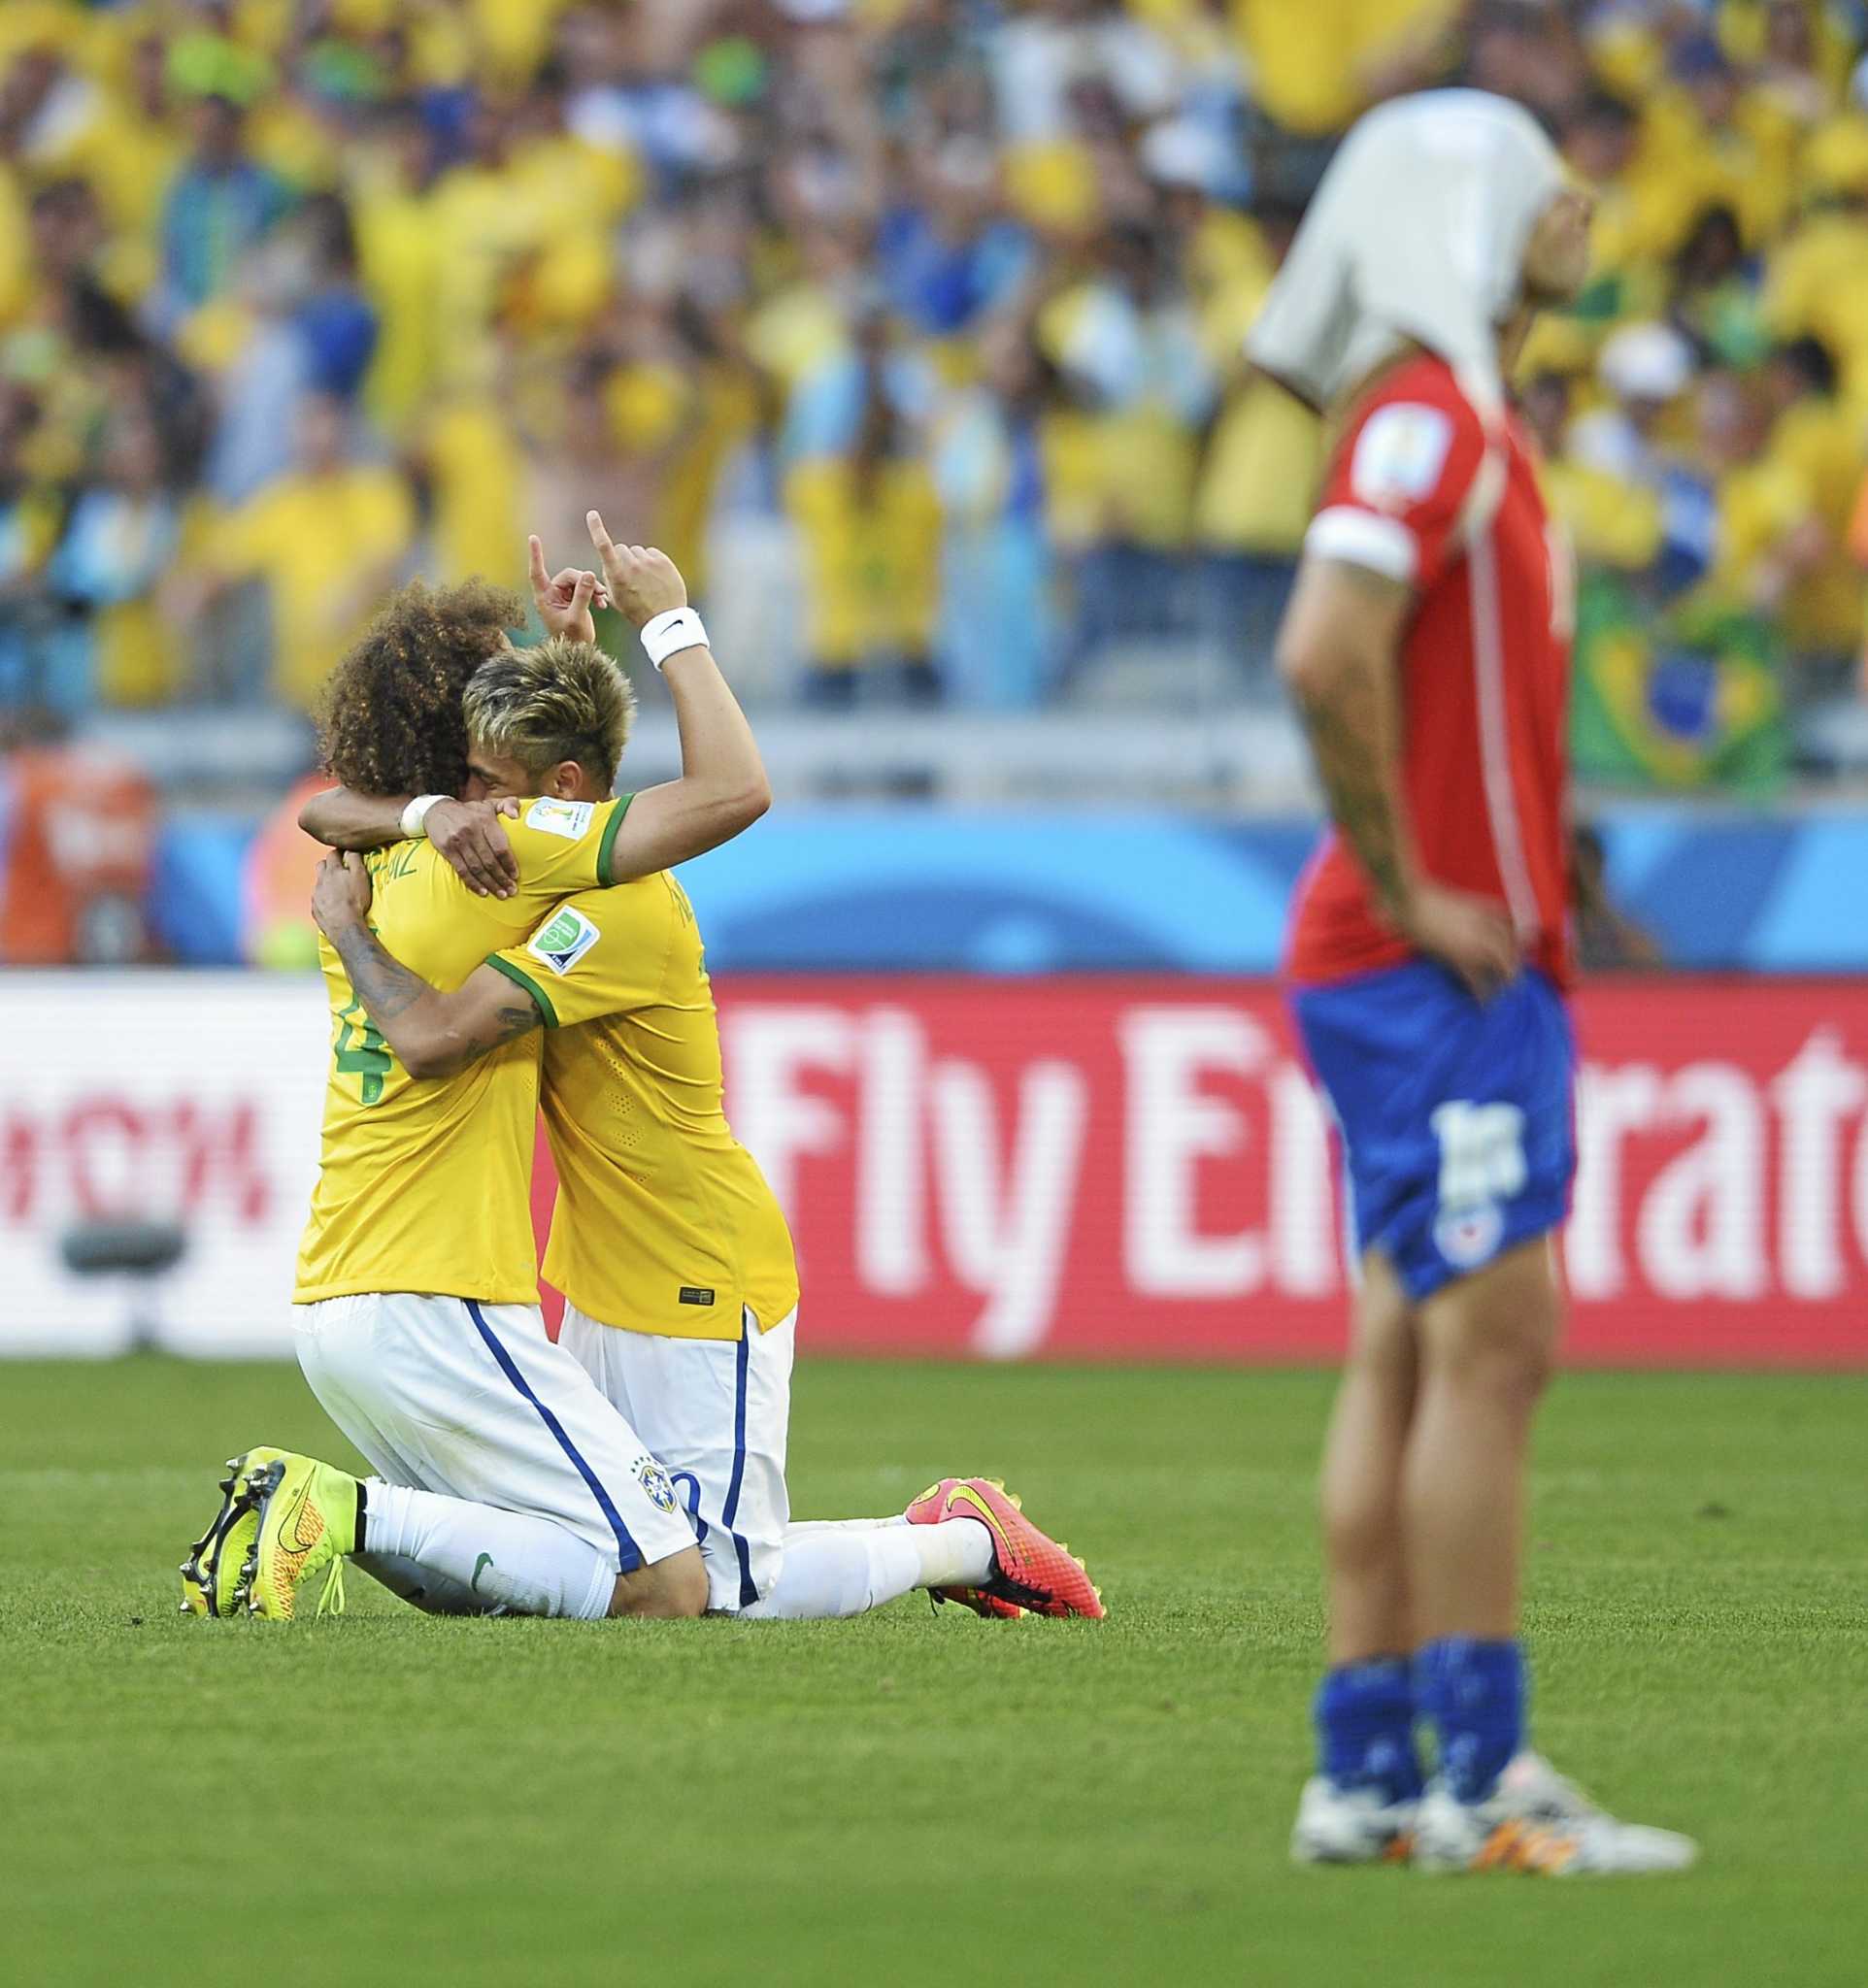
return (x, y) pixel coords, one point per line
(1364, 1714)
(1474, 1694)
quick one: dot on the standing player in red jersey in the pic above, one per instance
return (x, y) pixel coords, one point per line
(1426, 645)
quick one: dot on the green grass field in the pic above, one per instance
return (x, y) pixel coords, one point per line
(913, 1798)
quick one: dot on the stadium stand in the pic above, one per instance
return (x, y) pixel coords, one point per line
(912, 328)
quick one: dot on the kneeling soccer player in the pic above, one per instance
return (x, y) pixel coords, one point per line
(1426, 645)
(505, 1478)
(670, 1247)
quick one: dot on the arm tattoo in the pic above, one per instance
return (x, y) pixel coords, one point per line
(386, 987)
(513, 1022)
(1348, 739)
(391, 992)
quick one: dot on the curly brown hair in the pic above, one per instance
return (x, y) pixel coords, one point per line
(390, 720)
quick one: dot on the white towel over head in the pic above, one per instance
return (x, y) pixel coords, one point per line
(1418, 232)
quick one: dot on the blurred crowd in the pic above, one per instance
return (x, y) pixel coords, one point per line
(911, 329)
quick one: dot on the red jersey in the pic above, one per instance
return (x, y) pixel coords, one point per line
(1421, 489)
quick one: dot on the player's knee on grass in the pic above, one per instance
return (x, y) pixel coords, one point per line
(668, 1588)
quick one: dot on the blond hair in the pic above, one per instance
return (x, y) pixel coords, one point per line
(561, 699)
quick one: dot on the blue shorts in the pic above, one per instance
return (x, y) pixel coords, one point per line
(1457, 1116)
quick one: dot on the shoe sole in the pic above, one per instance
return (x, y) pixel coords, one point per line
(261, 1486)
(991, 1607)
(203, 1575)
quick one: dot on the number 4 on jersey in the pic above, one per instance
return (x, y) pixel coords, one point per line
(361, 1052)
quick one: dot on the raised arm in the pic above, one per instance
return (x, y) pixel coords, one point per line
(1339, 652)
(463, 831)
(722, 787)
(432, 1034)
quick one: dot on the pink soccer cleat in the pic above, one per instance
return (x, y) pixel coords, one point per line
(928, 1509)
(1033, 1573)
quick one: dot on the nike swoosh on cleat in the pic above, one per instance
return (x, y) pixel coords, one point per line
(480, 1565)
(295, 1515)
(984, 1511)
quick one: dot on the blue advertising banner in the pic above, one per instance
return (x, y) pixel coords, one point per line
(833, 889)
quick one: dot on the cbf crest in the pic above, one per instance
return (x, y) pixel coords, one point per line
(655, 1483)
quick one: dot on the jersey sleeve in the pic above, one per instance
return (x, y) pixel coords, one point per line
(602, 952)
(564, 847)
(1405, 487)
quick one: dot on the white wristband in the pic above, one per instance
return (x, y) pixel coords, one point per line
(417, 814)
(671, 632)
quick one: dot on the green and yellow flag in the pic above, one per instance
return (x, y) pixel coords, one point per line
(1684, 698)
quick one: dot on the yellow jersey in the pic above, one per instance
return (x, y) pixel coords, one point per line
(665, 1223)
(425, 1185)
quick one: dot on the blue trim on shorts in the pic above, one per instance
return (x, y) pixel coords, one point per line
(628, 1553)
(748, 1594)
(692, 1482)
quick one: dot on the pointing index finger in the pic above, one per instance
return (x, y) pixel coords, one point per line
(599, 533)
(541, 579)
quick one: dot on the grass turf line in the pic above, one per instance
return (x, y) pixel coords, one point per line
(914, 1797)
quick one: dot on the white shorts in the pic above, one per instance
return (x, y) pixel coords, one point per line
(474, 1401)
(715, 1412)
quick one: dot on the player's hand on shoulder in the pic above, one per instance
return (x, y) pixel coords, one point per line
(472, 844)
(1466, 933)
(564, 599)
(643, 580)
(340, 893)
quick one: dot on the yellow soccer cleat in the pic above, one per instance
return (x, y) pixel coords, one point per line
(307, 1521)
(212, 1569)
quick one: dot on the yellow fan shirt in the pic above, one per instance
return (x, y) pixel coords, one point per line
(309, 537)
(425, 1185)
(665, 1223)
